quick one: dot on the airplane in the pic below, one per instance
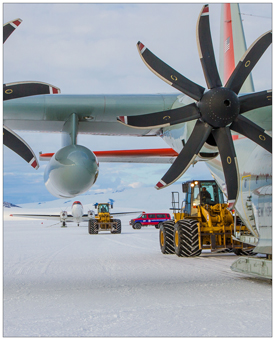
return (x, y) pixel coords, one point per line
(227, 125)
(76, 216)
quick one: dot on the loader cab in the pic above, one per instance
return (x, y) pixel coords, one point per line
(200, 193)
(103, 208)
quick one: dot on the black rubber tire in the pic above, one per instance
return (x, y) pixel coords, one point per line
(118, 231)
(244, 252)
(186, 238)
(92, 227)
(137, 225)
(166, 232)
(157, 226)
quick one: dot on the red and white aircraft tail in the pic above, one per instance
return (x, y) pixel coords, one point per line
(232, 44)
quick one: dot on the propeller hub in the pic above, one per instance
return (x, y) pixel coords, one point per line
(219, 107)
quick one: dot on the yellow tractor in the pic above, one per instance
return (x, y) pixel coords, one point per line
(103, 220)
(203, 222)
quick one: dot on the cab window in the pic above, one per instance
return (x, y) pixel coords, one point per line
(104, 208)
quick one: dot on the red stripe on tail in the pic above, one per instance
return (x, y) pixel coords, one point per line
(229, 59)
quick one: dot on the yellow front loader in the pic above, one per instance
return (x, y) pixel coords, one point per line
(203, 222)
(103, 220)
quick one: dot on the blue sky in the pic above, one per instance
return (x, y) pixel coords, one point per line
(91, 48)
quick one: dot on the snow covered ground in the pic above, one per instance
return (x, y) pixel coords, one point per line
(65, 282)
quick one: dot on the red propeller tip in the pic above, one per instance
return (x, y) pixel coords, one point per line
(206, 9)
(141, 47)
(123, 119)
(160, 184)
(17, 22)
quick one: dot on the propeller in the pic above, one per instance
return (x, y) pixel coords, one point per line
(19, 90)
(218, 109)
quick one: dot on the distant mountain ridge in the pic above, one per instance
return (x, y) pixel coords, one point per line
(10, 205)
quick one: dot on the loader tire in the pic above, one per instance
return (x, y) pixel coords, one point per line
(92, 227)
(166, 237)
(118, 230)
(186, 238)
(244, 252)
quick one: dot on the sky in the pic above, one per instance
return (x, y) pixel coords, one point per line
(89, 48)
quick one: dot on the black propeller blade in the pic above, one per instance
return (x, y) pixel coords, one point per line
(19, 90)
(248, 61)
(225, 145)
(163, 118)
(255, 100)
(218, 110)
(25, 89)
(206, 52)
(168, 74)
(252, 131)
(187, 155)
(19, 146)
(9, 27)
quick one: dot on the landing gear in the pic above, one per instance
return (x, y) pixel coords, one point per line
(166, 237)
(64, 224)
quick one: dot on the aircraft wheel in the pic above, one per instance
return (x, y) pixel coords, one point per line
(92, 227)
(118, 231)
(137, 226)
(166, 237)
(186, 238)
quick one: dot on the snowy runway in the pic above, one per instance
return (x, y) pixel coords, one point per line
(65, 282)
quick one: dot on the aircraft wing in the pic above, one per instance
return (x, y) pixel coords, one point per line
(126, 213)
(157, 156)
(44, 216)
(86, 218)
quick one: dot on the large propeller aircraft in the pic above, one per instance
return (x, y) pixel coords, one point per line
(216, 124)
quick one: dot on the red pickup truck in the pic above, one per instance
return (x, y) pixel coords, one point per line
(145, 219)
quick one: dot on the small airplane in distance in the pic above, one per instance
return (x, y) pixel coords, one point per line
(76, 215)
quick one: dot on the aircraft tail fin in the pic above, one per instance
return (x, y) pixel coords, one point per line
(232, 44)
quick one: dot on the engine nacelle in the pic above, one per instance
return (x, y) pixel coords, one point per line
(91, 214)
(63, 215)
(71, 171)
